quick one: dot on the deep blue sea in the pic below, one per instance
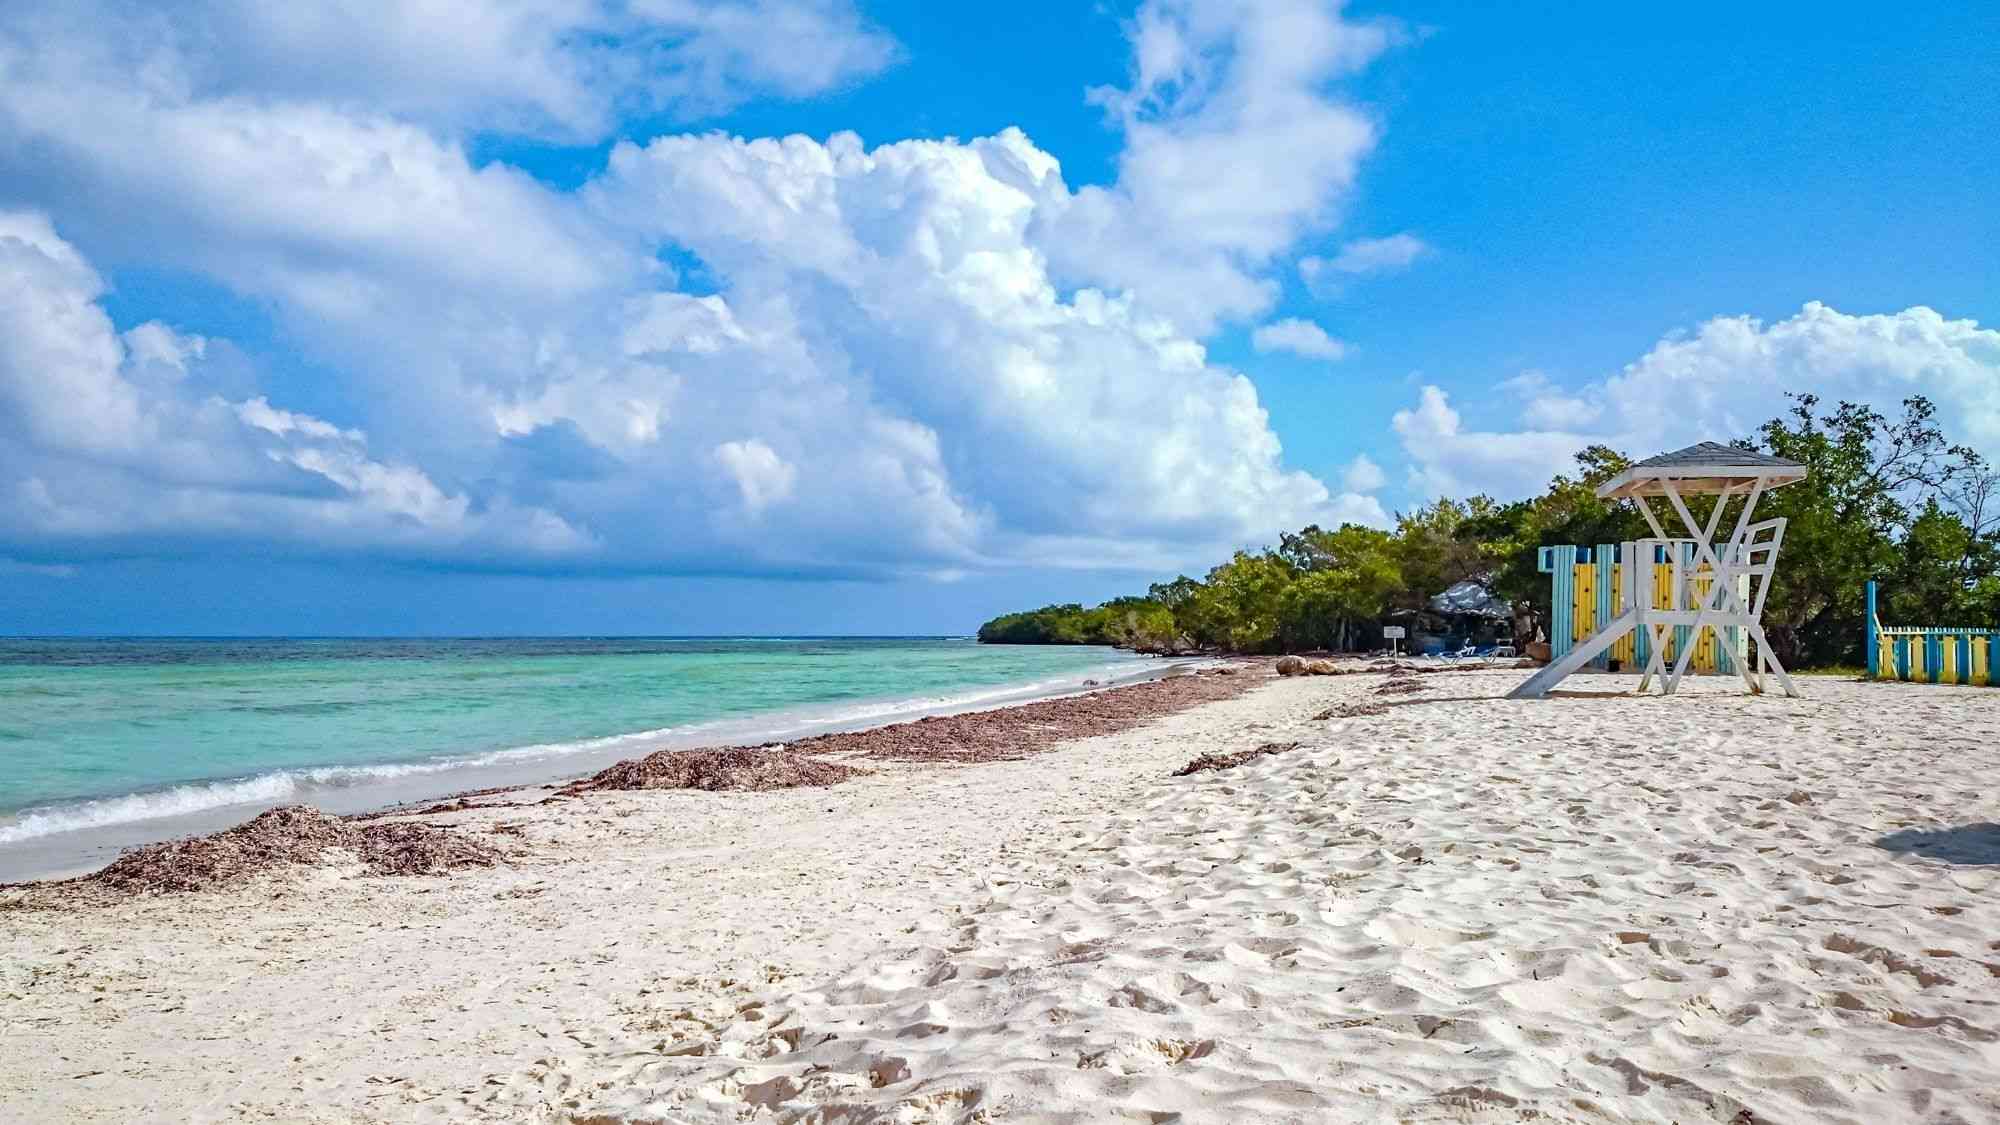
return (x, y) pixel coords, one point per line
(139, 738)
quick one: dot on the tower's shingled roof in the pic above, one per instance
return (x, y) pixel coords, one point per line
(1715, 453)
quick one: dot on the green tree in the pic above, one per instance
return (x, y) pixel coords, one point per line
(1885, 499)
(1353, 579)
(1866, 475)
(1142, 624)
(1431, 553)
(1943, 572)
(1245, 595)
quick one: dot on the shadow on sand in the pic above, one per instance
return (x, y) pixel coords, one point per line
(1968, 843)
(1414, 700)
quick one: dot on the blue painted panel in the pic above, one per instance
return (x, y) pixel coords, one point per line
(1561, 596)
(1873, 639)
(1607, 595)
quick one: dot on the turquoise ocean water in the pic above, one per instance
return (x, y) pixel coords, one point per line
(136, 739)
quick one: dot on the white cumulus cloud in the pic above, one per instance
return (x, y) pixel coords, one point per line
(1236, 147)
(1324, 277)
(1299, 337)
(763, 477)
(1717, 383)
(565, 70)
(1363, 474)
(949, 359)
(94, 449)
(1022, 417)
(1447, 459)
(1374, 255)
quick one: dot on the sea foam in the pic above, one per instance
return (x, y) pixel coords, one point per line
(275, 787)
(299, 785)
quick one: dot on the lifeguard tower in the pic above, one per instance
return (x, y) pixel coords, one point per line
(1720, 588)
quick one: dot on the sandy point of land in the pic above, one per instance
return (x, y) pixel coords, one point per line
(1706, 908)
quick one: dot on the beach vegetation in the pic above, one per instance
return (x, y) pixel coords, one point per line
(1140, 623)
(1889, 498)
(1886, 498)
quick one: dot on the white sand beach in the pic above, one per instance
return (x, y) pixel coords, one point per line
(1712, 907)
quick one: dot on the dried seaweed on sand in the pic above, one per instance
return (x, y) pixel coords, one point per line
(734, 769)
(1207, 762)
(1019, 731)
(289, 836)
(978, 736)
(1352, 710)
(1401, 687)
(408, 848)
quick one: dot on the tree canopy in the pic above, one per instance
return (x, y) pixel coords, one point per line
(1890, 499)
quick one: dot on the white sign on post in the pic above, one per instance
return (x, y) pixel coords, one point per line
(1394, 635)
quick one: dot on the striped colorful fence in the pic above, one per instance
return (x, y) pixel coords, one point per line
(1584, 584)
(1931, 653)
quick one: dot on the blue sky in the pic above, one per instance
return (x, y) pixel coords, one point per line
(333, 326)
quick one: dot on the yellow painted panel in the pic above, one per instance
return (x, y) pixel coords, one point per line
(1982, 668)
(1576, 578)
(1947, 660)
(1583, 604)
(1663, 598)
(1625, 649)
(1885, 646)
(1704, 653)
(1576, 632)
